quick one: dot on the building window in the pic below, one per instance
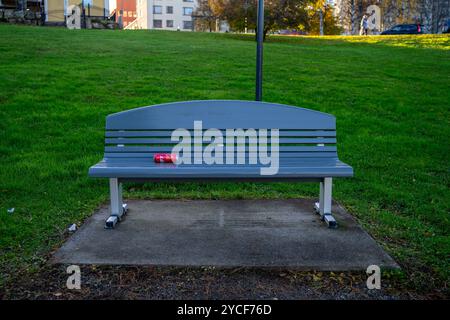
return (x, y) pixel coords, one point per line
(187, 11)
(187, 25)
(157, 9)
(157, 23)
(169, 9)
(169, 23)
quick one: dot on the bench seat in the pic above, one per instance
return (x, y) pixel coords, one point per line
(290, 168)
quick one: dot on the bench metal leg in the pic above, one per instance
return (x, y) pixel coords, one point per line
(118, 208)
(323, 207)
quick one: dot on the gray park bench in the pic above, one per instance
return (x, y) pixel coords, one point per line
(307, 147)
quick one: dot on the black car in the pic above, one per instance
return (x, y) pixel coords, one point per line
(446, 27)
(404, 29)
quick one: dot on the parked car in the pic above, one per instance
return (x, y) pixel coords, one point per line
(446, 28)
(404, 29)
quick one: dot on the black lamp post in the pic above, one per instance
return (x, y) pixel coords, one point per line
(259, 49)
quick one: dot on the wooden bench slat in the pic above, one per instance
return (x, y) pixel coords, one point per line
(169, 141)
(169, 149)
(150, 155)
(221, 114)
(168, 133)
(317, 168)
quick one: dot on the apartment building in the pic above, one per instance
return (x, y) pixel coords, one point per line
(127, 10)
(165, 14)
(56, 10)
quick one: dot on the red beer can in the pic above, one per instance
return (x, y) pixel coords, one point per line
(165, 157)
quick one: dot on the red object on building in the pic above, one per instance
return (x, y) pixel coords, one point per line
(165, 157)
(128, 10)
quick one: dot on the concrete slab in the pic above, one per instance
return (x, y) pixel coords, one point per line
(227, 233)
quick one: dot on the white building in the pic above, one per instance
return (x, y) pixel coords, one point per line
(165, 14)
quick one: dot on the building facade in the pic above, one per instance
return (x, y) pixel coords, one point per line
(56, 10)
(127, 10)
(165, 14)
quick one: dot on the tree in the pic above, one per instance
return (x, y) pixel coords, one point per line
(348, 16)
(278, 14)
(204, 16)
(330, 24)
(285, 14)
(427, 12)
(239, 14)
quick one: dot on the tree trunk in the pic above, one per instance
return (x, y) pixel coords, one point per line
(266, 30)
(352, 16)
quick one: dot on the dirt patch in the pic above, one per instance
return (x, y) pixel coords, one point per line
(119, 282)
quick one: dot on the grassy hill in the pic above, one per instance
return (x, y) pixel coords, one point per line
(390, 96)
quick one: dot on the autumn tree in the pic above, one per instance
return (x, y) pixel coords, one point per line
(204, 17)
(239, 14)
(321, 10)
(430, 13)
(278, 14)
(329, 20)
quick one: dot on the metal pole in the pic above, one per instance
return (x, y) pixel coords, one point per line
(321, 21)
(83, 12)
(259, 50)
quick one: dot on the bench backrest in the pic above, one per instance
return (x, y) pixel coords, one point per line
(144, 131)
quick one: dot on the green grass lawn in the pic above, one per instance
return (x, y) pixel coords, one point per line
(390, 97)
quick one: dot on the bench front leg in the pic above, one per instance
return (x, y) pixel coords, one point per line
(325, 196)
(324, 205)
(118, 208)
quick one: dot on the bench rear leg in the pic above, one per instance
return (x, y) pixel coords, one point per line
(118, 208)
(324, 205)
